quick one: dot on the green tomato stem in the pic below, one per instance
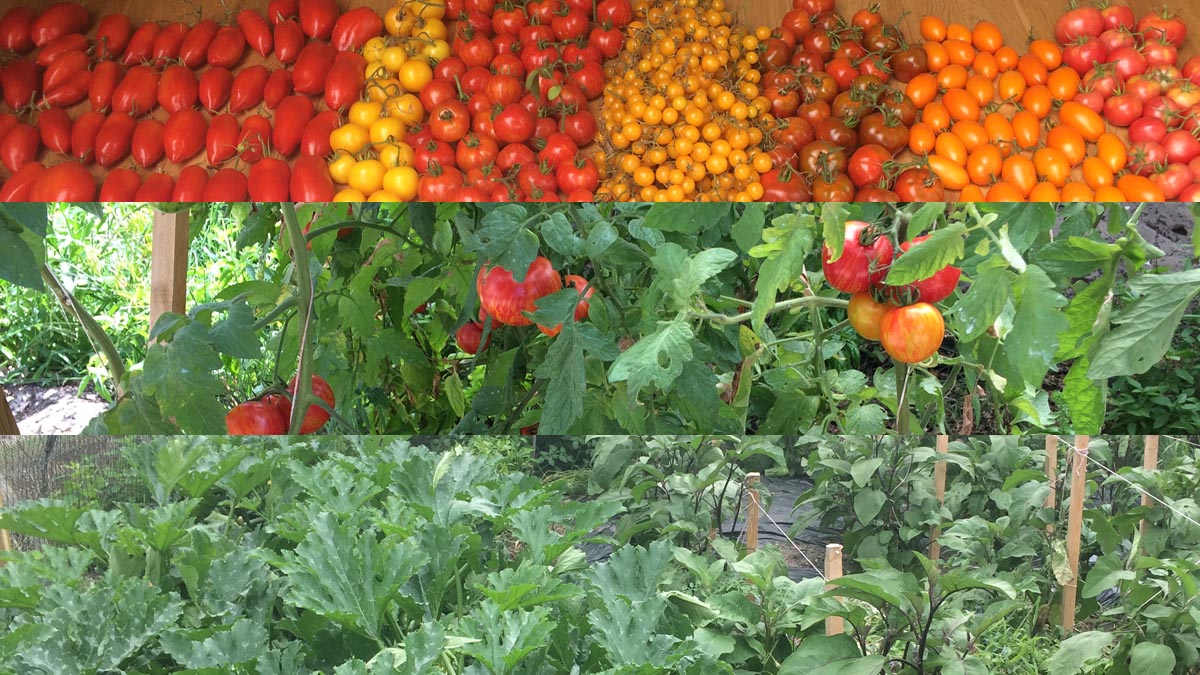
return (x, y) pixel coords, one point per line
(300, 259)
(791, 303)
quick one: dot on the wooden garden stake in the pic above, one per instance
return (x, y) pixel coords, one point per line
(1074, 529)
(834, 625)
(752, 512)
(1150, 463)
(1051, 474)
(168, 264)
(8, 423)
(939, 491)
(5, 542)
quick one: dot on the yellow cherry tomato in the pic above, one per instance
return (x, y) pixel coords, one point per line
(395, 154)
(339, 167)
(367, 175)
(401, 181)
(406, 108)
(386, 130)
(364, 113)
(349, 137)
(426, 9)
(432, 29)
(349, 195)
(436, 50)
(393, 58)
(414, 75)
(373, 49)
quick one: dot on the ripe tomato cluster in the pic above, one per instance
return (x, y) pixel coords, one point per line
(144, 102)
(903, 319)
(829, 79)
(1000, 125)
(508, 109)
(270, 416)
(507, 300)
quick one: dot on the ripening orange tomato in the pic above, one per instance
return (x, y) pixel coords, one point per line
(1011, 86)
(1044, 192)
(971, 133)
(1063, 83)
(960, 104)
(952, 175)
(952, 76)
(1085, 120)
(958, 31)
(971, 193)
(982, 88)
(1038, 101)
(1108, 193)
(951, 147)
(922, 89)
(1027, 129)
(936, 115)
(1052, 166)
(1075, 191)
(1047, 52)
(1004, 192)
(985, 64)
(936, 56)
(1068, 141)
(999, 131)
(933, 28)
(1018, 171)
(1006, 58)
(921, 138)
(1033, 69)
(984, 164)
(1096, 173)
(959, 51)
(1112, 151)
(1139, 188)
(986, 37)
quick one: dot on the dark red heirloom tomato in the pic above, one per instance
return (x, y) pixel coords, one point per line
(913, 333)
(255, 418)
(469, 335)
(863, 263)
(506, 299)
(935, 288)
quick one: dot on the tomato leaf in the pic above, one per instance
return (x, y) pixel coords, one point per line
(1037, 324)
(1143, 330)
(1075, 256)
(504, 240)
(689, 218)
(925, 216)
(1085, 398)
(747, 231)
(833, 228)
(684, 275)
(657, 359)
(24, 250)
(558, 234)
(234, 334)
(980, 306)
(180, 375)
(944, 247)
(792, 241)
(1082, 314)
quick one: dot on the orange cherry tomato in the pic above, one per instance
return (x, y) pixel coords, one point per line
(984, 164)
(1018, 171)
(951, 147)
(971, 193)
(958, 31)
(1112, 151)
(1033, 69)
(953, 176)
(936, 56)
(971, 133)
(1047, 52)
(1011, 86)
(986, 37)
(1006, 58)
(999, 131)
(1052, 166)
(1027, 129)
(982, 88)
(1108, 193)
(952, 76)
(959, 51)
(985, 64)
(1063, 83)
(936, 116)
(1097, 174)
(922, 89)
(933, 28)
(1038, 101)
(1004, 192)
(1085, 120)
(1068, 141)
(1075, 191)
(961, 105)
(921, 138)
(1139, 188)
(1044, 192)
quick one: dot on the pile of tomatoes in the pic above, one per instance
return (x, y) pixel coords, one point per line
(145, 103)
(830, 81)
(269, 416)
(506, 300)
(904, 319)
(508, 109)
(684, 115)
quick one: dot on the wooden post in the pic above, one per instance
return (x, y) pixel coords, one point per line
(939, 492)
(5, 542)
(752, 512)
(8, 423)
(1051, 474)
(834, 625)
(168, 264)
(1074, 529)
(1150, 463)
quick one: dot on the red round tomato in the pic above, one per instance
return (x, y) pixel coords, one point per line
(1079, 22)
(506, 299)
(866, 165)
(316, 416)
(255, 418)
(1153, 27)
(913, 333)
(864, 260)
(866, 314)
(449, 121)
(469, 335)
(935, 288)
(514, 124)
(581, 309)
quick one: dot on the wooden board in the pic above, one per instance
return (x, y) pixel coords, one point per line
(168, 264)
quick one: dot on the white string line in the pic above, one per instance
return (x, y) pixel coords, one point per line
(819, 571)
(1135, 486)
(1183, 440)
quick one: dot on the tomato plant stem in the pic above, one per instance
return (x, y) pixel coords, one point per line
(304, 395)
(99, 339)
(791, 303)
(901, 396)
